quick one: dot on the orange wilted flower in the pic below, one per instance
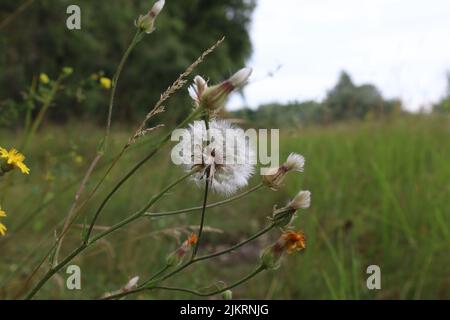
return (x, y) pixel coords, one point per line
(289, 242)
(177, 256)
(293, 241)
(192, 240)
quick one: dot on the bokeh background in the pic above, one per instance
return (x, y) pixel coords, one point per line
(371, 121)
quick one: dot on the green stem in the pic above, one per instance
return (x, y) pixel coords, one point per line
(139, 213)
(192, 116)
(212, 255)
(85, 244)
(137, 37)
(211, 205)
(202, 219)
(42, 112)
(201, 294)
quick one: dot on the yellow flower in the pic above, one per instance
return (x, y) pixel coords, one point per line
(43, 77)
(78, 159)
(105, 82)
(13, 158)
(2, 226)
(2, 229)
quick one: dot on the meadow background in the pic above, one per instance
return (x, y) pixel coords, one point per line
(379, 175)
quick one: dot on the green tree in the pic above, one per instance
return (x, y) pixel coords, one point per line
(38, 41)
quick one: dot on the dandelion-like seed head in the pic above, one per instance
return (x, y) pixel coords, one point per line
(226, 158)
(13, 159)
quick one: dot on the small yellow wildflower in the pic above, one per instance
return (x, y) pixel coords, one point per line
(78, 159)
(13, 158)
(105, 82)
(2, 226)
(43, 77)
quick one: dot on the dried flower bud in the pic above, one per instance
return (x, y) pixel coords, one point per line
(289, 242)
(131, 284)
(147, 22)
(274, 177)
(301, 201)
(214, 98)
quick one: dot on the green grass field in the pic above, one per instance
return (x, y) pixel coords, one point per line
(381, 195)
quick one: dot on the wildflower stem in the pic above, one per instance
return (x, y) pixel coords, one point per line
(211, 205)
(201, 294)
(202, 219)
(212, 255)
(139, 213)
(101, 151)
(137, 37)
(192, 116)
(87, 244)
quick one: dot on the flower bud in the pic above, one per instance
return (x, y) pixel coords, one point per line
(146, 22)
(43, 77)
(274, 177)
(301, 201)
(131, 284)
(67, 71)
(214, 97)
(227, 295)
(106, 83)
(176, 257)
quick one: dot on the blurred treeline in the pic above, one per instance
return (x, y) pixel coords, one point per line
(345, 101)
(37, 40)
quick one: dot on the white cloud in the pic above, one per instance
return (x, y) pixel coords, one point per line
(401, 46)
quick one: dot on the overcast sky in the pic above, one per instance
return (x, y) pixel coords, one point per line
(401, 46)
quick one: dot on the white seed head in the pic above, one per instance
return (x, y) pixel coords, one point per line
(295, 162)
(240, 78)
(229, 157)
(301, 201)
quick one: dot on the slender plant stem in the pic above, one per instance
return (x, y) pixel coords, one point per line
(211, 205)
(201, 294)
(103, 234)
(209, 256)
(202, 219)
(236, 246)
(54, 270)
(70, 215)
(192, 116)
